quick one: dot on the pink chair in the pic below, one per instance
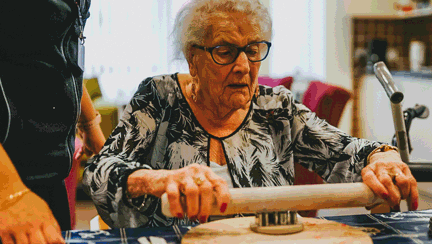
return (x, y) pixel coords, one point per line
(71, 183)
(328, 102)
(272, 82)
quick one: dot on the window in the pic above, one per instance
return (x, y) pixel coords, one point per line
(298, 38)
(128, 41)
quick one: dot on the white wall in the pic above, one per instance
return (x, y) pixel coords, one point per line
(335, 50)
(338, 48)
(377, 119)
(265, 65)
(298, 39)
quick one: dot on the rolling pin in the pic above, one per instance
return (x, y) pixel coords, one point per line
(296, 198)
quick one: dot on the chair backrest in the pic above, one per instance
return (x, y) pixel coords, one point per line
(272, 82)
(327, 101)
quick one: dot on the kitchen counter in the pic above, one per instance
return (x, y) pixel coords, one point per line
(426, 75)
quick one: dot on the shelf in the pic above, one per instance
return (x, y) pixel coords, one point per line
(409, 15)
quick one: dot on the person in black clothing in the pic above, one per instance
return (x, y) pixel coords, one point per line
(41, 73)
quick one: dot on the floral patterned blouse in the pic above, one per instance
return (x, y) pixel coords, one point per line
(159, 131)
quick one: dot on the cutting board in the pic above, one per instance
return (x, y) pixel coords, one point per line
(237, 230)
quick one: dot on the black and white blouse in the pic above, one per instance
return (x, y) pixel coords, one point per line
(159, 131)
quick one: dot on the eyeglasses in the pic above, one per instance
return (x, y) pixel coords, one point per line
(227, 54)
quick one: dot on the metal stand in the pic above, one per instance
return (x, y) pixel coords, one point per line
(396, 97)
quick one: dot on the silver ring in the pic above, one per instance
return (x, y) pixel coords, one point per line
(393, 176)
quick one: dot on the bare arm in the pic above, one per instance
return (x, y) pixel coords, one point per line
(92, 134)
(24, 216)
(8, 174)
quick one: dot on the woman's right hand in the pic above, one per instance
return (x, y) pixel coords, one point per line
(197, 183)
(29, 220)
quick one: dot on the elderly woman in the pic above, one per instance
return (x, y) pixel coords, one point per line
(201, 133)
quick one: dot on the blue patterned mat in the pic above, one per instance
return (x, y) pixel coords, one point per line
(402, 228)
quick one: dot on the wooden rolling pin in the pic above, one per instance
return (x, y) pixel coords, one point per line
(299, 197)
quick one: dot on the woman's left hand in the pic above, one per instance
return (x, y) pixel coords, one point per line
(391, 179)
(93, 141)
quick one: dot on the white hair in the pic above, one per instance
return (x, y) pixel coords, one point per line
(192, 23)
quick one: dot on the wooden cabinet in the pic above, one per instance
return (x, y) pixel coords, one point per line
(370, 7)
(398, 31)
(381, 9)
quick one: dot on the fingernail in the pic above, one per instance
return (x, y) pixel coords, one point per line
(203, 219)
(414, 205)
(223, 207)
(385, 196)
(179, 215)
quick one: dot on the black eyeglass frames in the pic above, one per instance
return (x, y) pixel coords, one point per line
(227, 54)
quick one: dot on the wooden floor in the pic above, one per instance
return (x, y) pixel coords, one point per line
(86, 210)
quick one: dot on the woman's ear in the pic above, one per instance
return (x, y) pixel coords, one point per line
(192, 66)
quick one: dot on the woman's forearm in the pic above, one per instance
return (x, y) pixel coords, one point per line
(88, 113)
(146, 181)
(89, 124)
(10, 181)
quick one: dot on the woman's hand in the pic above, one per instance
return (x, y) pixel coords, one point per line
(198, 184)
(29, 221)
(93, 140)
(391, 179)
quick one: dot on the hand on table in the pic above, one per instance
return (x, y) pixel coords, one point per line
(196, 183)
(391, 179)
(29, 221)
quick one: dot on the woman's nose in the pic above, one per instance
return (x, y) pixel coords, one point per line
(242, 63)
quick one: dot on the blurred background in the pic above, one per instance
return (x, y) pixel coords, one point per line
(130, 40)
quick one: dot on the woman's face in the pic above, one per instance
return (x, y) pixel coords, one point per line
(232, 85)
